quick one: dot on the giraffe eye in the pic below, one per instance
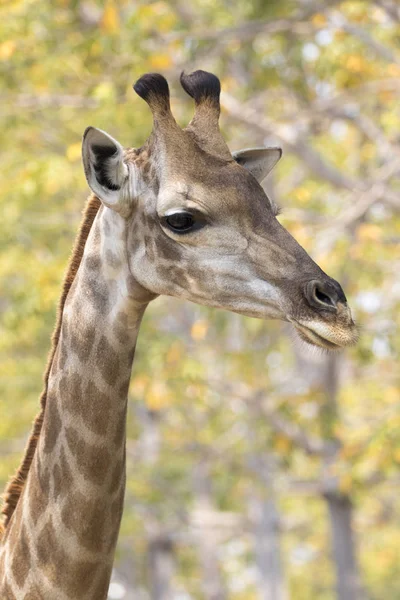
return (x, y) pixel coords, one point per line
(182, 222)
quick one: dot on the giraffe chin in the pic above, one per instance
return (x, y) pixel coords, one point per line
(310, 336)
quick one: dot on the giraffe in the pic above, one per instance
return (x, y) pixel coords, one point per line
(180, 216)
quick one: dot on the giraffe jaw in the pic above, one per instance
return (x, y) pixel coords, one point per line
(326, 337)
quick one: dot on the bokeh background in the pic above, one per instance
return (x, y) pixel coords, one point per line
(257, 470)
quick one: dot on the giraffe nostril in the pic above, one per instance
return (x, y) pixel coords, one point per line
(322, 297)
(321, 294)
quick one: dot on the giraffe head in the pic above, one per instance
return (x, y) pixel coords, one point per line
(200, 226)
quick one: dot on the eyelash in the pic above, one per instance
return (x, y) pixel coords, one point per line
(198, 222)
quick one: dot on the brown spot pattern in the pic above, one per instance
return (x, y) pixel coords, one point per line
(70, 389)
(93, 461)
(86, 518)
(62, 477)
(56, 361)
(101, 589)
(112, 260)
(49, 551)
(87, 403)
(120, 431)
(74, 576)
(82, 342)
(96, 410)
(33, 594)
(107, 361)
(121, 334)
(124, 386)
(68, 478)
(149, 247)
(2, 561)
(62, 356)
(36, 504)
(57, 480)
(93, 262)
(52, 417)
(21, 560)
(8, 593)
(168, 250)
(118, 475)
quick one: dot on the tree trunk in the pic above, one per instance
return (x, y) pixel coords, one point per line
(161, 566)
(347, 578)
(212, 582)
(160, 550)
(339, 505)
(267, 547)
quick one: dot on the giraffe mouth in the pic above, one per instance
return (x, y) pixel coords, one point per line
(313, 338)
(328, 337)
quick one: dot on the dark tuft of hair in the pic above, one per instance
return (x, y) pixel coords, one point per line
(152, 86)
(102, 154)
(201, 86)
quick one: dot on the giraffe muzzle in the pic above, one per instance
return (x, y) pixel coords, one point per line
(329, 325)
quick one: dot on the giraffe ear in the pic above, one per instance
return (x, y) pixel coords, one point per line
(259, 161)
(105, 169)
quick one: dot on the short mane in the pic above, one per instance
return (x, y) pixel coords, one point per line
(17, 482)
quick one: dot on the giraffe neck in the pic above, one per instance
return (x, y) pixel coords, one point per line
(61, 540)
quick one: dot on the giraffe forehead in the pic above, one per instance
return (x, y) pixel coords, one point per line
(225, 190)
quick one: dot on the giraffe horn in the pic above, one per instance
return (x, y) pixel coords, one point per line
(205, 89)
(153, 88)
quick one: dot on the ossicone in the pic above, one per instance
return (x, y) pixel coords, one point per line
(205, 89)
(201, 86)
(153, 88)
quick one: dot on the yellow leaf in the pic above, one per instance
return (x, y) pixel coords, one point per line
(393, 70)
(7, 49)
(392, 395)
(301, 234)
(367, 232)
(385, 96)
(160, 61)
(339, 35)
(167, 22)
(74, 152)
(157, 397)
(199, 330)
(104, 91)
(302, 195)
(355, 63)
(282, 444)
(324, 261)
(349, 450)
(174, 354)
(138, 384)
(110, 20)
(368, 151)
(345, 483)
(319, 20)
(145, 12)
